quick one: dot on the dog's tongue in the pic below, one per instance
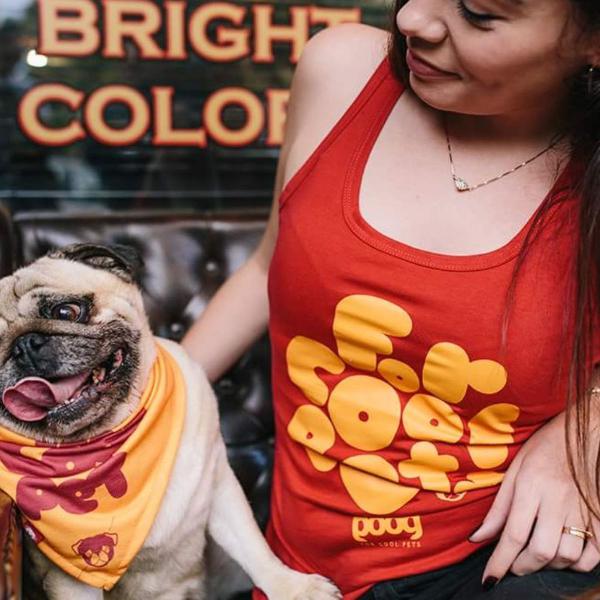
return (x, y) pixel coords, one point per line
(33, 397)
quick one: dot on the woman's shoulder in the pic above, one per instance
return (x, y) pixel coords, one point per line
(356, 46)
(334, 67)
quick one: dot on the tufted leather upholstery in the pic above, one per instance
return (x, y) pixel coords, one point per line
(187, 257)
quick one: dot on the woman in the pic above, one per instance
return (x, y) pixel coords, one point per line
(424, 303)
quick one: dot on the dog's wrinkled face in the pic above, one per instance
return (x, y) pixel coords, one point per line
(75, 346)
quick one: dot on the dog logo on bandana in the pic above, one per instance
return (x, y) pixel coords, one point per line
(98, 550)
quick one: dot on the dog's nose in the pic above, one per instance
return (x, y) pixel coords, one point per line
(27, 347)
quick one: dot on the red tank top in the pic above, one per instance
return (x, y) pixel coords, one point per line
(397, 408)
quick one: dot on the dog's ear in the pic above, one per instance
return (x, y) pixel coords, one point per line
(123, 261)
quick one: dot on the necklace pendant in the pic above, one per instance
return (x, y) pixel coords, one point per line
(460, 184)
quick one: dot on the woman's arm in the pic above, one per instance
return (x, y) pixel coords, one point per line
(237, 314)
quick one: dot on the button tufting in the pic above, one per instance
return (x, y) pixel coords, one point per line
(212, 267)
(176, 328)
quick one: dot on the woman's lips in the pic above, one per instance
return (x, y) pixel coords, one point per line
(424, 70)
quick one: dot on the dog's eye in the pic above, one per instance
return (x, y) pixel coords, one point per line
(69, 311)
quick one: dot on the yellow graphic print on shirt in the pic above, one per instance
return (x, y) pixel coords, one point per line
(366, 413)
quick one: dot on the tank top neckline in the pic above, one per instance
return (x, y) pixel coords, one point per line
(387, 92)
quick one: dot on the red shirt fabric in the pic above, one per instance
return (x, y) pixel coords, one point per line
(397, 407)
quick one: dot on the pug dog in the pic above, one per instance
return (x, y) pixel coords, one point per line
(76, 353)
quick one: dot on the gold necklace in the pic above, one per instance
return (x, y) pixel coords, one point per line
(462, 186)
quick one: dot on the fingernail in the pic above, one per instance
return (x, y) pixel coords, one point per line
(489, 583)
(472, 534)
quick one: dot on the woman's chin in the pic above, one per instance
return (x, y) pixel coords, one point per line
(442, 95)
(436, 93)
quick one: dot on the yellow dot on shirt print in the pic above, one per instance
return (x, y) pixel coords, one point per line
(373, 484)
(365, 412)
(429, 418)
(362, 327)
(429, 466)
(397, 373)
(491, 432)
(474, 481)
(303, 356)
(449, 372)
(477, 480)
(311, 428)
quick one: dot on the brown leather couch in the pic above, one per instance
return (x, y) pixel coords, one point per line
(187, 256)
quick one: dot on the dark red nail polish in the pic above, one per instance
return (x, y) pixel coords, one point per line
(489, 583)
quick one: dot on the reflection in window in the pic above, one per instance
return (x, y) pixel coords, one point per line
(229, 150)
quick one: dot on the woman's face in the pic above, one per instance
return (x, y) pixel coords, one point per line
(500, 56)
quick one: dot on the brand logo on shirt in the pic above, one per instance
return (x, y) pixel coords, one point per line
(362, 398)
(407, 527)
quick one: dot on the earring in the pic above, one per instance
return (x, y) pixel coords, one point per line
(590, 80)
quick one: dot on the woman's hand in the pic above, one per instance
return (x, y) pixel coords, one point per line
(537, 498)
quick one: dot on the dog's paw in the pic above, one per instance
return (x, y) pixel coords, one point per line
(318, 588)
(299, 586)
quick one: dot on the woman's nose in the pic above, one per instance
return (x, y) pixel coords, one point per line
(422, 19)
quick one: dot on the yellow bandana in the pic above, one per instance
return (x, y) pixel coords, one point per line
(90, 505)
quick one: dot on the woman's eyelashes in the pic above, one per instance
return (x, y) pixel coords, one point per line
(475, 18)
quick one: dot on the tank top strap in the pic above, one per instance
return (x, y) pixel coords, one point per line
(367, 111)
